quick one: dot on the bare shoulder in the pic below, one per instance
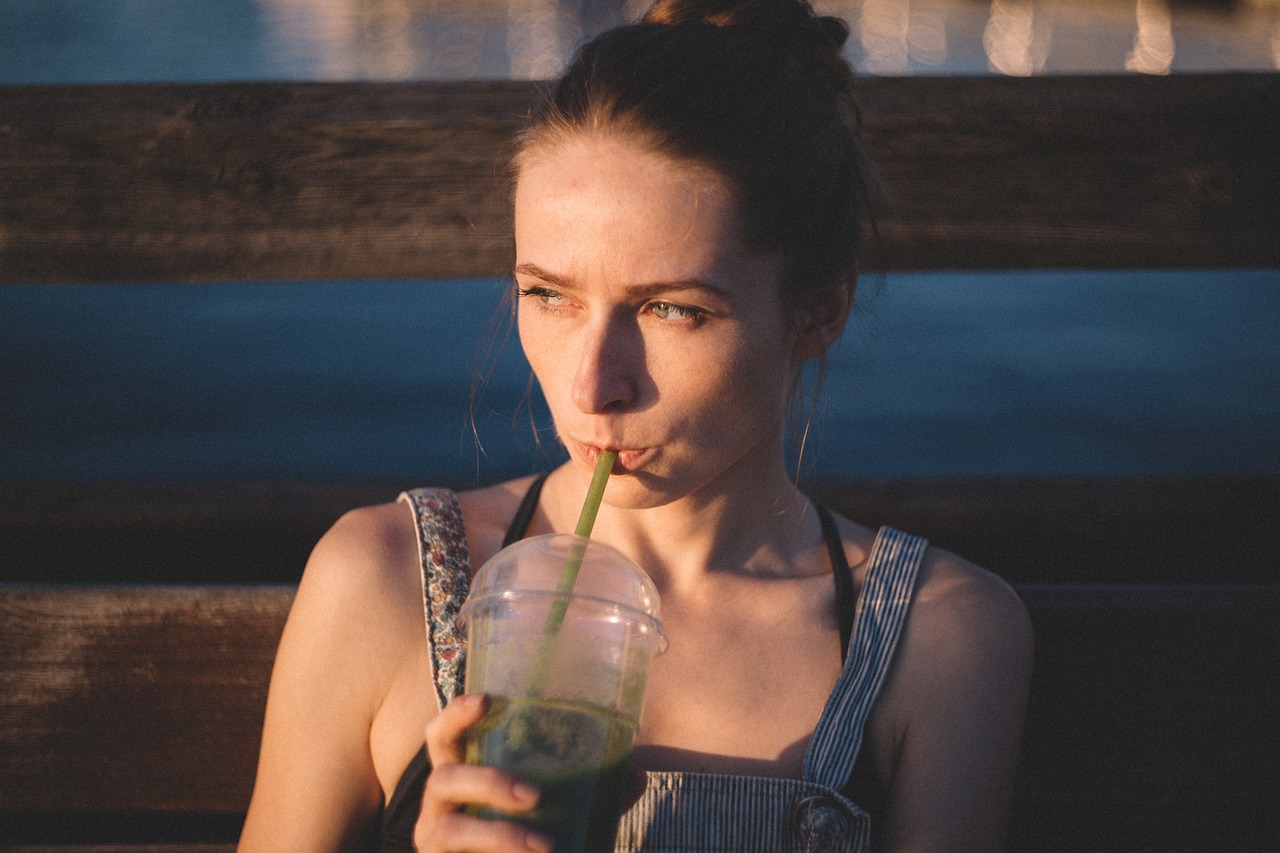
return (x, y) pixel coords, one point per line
(373, 533)
(354, 629)
(966, 646)
(965, 609)
(955, 599)
(949, 722)
(368, 552)
(356, 622)
(361, 589)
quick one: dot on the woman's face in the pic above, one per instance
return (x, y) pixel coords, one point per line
(651, 328)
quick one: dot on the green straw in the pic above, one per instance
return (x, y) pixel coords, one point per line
(569, 574)
(595, 493)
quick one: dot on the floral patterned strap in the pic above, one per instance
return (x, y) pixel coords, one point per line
(446, 578)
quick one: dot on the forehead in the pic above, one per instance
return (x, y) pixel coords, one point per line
(591, 199)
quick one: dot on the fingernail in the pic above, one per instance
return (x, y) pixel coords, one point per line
(525, 791)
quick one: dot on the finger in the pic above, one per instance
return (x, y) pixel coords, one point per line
(444, 732)
(454, 785)
(458, 833)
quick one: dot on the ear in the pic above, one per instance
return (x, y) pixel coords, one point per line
(821, 323)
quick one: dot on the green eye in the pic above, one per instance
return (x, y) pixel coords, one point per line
(667, 311)
(545, 295)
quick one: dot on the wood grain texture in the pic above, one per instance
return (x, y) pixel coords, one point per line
(1094, 171)
(1116, 530)
(1216, 530)
(135, 699)
(255, 181)
(120, 848)
(262, 181)
(1148, 727)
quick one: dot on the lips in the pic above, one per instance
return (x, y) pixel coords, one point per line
(628, 458)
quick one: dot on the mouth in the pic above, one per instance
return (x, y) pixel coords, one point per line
(629, 459)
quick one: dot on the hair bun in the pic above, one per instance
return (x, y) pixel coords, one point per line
(721, 13)
(793, 14)
(796, 17)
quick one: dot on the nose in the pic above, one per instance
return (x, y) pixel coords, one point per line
(605, 380)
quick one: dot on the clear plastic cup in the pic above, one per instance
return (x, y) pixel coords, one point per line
(566, 673)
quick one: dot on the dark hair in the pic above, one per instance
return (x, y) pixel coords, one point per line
(757, 91)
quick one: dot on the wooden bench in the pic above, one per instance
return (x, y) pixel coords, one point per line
(130, 716)
(132, 673)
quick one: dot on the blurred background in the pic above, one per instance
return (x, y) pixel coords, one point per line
(117, 40)
(1043, 373)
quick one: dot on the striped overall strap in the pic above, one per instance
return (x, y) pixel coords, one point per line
(883, 602)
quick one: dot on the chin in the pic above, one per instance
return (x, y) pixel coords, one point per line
(640, 491)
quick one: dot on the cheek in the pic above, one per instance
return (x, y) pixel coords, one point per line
(745, 381)
(534, 344)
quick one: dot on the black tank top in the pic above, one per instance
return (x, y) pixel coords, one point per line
(401, 812)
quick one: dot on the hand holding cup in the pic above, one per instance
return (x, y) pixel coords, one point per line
(443, 826)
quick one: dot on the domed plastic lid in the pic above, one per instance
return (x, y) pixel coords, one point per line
(536, 566)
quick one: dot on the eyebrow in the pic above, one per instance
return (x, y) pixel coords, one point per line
(641, 290)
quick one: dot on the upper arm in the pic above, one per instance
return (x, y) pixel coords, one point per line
(316, 788)
(958, 706)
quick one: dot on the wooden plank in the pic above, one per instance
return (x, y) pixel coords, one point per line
(66, 831)
(134, 700)
(1114, 530)
(1149, 723)
(1151, 719)
(56, 829)
(231, 532)
(1154, 530)
(253, 181)
(1096, 171)
(120, 848)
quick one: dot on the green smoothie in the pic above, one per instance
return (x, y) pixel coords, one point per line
(575, 752)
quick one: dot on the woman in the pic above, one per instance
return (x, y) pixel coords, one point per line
(686, 215)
